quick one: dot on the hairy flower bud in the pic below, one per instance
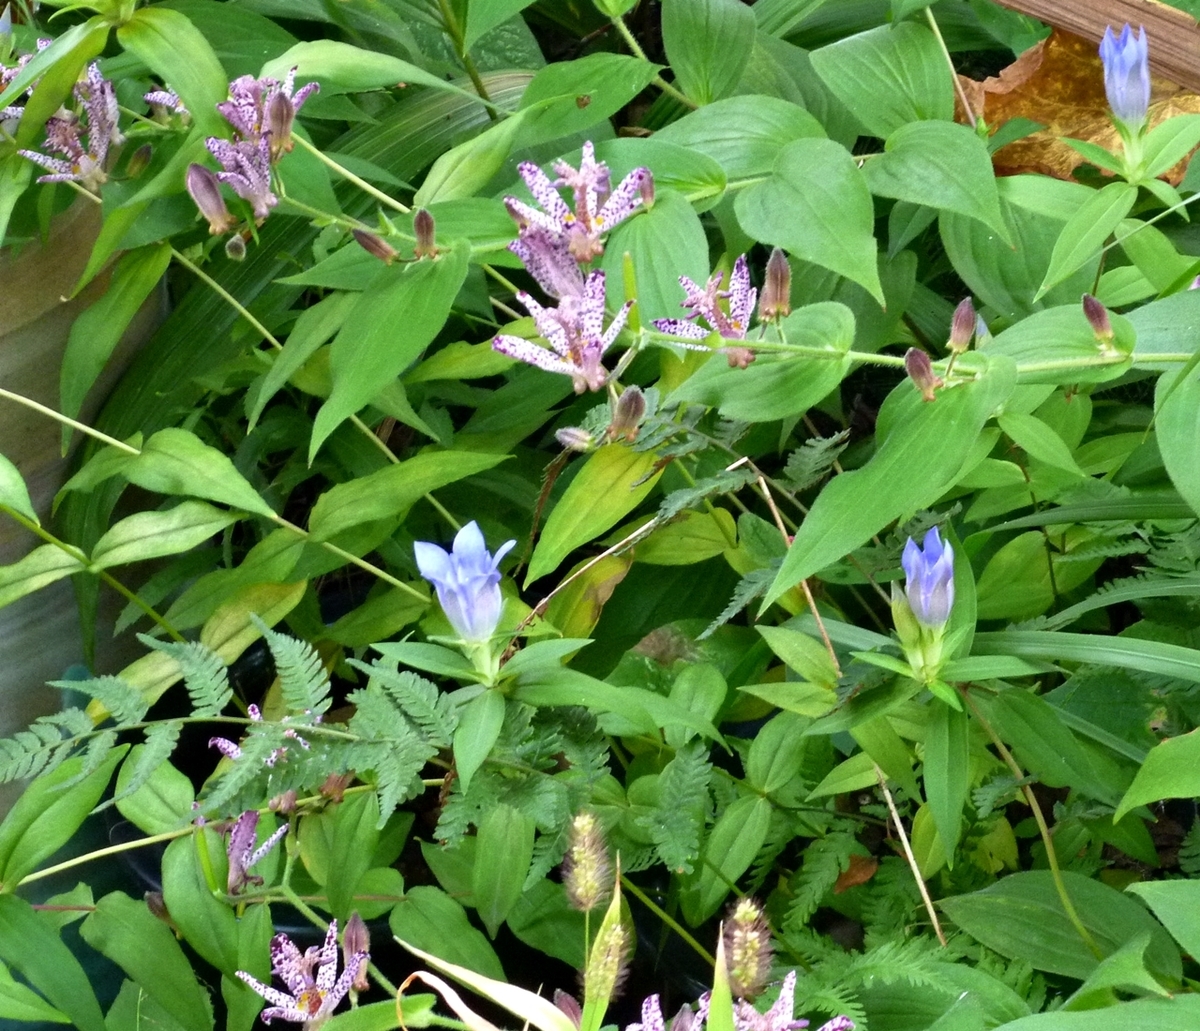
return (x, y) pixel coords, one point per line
(747, 949)
(1097, 316)
(962, 326)
(776, 299)
(376, 246)
(235, 248)
(205, 190)
(284, 803)
(628, 413)
(424, 229)
(574, 438)
(587, 875)
(356, 939)
(156, 904)
(139, 161)
(920, 371)
(281, 113)
(739, 357)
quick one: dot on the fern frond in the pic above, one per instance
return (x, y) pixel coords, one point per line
(914, 960)
(1189, 851)
(430, 711)
(94, 754)
(204, 673)
(160, 742)
(302, 677)
(257, 749)
(123, 701)
(810, 464)
(833, 1000)
(725, 482)
(824, 861)
(751, 586)
(675, 823)
(45, 744)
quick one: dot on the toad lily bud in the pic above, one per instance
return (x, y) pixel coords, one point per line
(1097, 316)
(646, 190)
(920, 371)
(1127, 76)
(376, 246)
(356, 939)
(139, 161)
(747, 949)
(205, 190)
(424, 228)
(627, 416)
(962, 326)
(281, 114)
(776, 301)
(574, 438)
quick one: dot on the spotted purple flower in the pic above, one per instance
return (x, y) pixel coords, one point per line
(780, 1017)
(574, 330)
(246, 167)
(467, 580)
(930, 579)
(598, 207)
(311, 978)
(706, 304)
(548, 259)
(259, 108)
(1127, 75)
(242, 853)
(10, 115)
(167, 100)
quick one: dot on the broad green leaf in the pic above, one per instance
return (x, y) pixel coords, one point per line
(392, 491)
(413, 1011)
(207, 924)
(1058, 345)
(175, 50)
(13, 492)
(791, 696)
(1170, 770)
(1169, 142)
(392, 323)
(878, 739)
(47, 815)
(1038, 440)
(433, 658)
(802, 653)
(36, 67)
(699, 688)
(1168, 660)
(175, 461)
(232, 628)
(708, 43)
(96, 331)
(124, 930)
(816, 205)
(1177, 425)
(777, 752)
(354, 836)
(545, 919)
(851, 774)
(146, 535)
(889, 76)
(779, 385)
(909, 470)
(942, 165)
(947, 774)
(689, 538)
(1177, 905)
(44, 565)
(19, 1002)
(728, 852)
(477, 731)
(1086, 230)
(33, 947)
(742, 134)
(485, 15)
(780, 17)
(1022, 917)
(679, 169)
(432, 920)
(162, 804)
(464, 170)
(506, 844)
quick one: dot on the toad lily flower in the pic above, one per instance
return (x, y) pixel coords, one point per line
(780, 1017)
(1127, 76)
(246, 167)
(706, 304)
(242, 853)
(265, 107)
(575, 332)
(548, 259)
(598, 207)
(314, 996)
(467, 580)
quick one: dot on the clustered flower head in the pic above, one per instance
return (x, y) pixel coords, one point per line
(748, 949)
(241, 851)
(929, 584)
(587, 873)
(467, 581)
(1127, 75)
(553, 242)
(82, 140)
(311, 978)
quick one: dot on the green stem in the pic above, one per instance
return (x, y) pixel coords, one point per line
(20, 399)
(962, 96)
(346, 174)
(667, 919)
(637, 51)
(455, 32)
(111, 850)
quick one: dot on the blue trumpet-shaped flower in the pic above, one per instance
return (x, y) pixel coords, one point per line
(1127, 75)
(929, 583)
(467, 580)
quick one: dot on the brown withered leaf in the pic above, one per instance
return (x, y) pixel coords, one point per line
(1060, 84)
(860, 870)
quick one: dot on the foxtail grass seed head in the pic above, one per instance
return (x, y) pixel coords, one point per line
(574, 438)
(608, 963)
(776, 299)
(628, 413)
(962, 326)
(376, 246)
(587, 873)
(920, 371)
(747, 949)
(423, 227)
(1097, 316)
(356, 940)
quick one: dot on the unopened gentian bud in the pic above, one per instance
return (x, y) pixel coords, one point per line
(776, 299)
(1127, 75)
(962, 326)
(423, 227)
(281, 113)
(376, 246)
(574, 438)
(1097, 316)
(587, 874)
(929, 579)
(920, 371)
(235, 248)
(747, 949)
(356, 938)
(628, 413)
(205, 190)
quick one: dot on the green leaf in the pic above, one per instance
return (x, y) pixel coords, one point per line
(392, 323)
(432, 920)
(779, 385)
(1022, 917)
(1168, 660)
(175, 461)
(506, 843)
(1177, 905)
(889, 76)
(699, 178)
(147, 535)
(207, 924)
(1171, 770)
(485, 15)
(776, 753)
(143, 946)
(803, 699)
(176, 51)
(96, 331)
(744, 135)
(1038, 440)
(1059, 346)
(415, 1011)
(392, 491)
(33, 947)
(13, 492)
(18, 1002)
(47, 815)
(606, 489)
(1169, 142)
(44, 565)
(163, 803)
(477, 731)
(947, 774)
(942, 165)
(914, 464)
(1086, 230)
(545, 919)
(53, 88)
(731, 847)
(878, 739)
(354, 836)
(708, 43)
(851, 774)
(1177, 426)
(816, 205)
(464, 170)
(802, 653)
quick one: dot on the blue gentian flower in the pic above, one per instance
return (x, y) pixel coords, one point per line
(467, 581)
(1127, 75)
(930, 579)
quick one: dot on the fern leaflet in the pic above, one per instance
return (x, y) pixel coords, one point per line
(160, 742)
(824, 860)
(124, 703)
(204, 673)
(675, 823)
(45, 744)
(808, 465)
